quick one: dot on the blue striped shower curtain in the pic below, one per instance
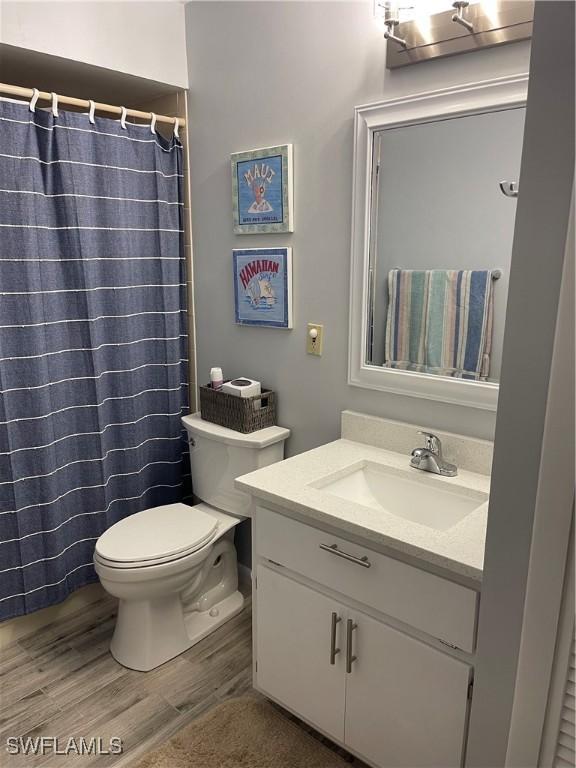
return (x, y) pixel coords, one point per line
(93, 345)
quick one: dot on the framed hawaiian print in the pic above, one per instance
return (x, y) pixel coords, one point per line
(262, 194)
(263, 287)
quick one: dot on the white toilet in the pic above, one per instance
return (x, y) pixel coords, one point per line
(174, 567)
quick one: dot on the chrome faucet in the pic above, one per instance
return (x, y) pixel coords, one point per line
(430, 459)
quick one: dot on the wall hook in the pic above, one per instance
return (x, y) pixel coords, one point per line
(458, 17)
(509, 188)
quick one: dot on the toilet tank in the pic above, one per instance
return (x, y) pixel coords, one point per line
(219, 455)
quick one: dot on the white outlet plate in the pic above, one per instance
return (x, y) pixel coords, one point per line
(314, 346)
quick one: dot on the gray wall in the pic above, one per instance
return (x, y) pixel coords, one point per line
(440, 206)
(275, 72)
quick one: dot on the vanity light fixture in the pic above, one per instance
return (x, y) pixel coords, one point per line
(429, 29)
(390, 12)
(458, 17)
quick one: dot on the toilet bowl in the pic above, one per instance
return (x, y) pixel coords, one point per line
(173, 568)
(175, 581)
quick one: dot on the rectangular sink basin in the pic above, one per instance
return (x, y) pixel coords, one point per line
(412, 494)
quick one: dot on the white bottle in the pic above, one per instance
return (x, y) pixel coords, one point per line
(216, 378)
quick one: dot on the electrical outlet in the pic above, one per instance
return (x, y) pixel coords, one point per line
(314, 339)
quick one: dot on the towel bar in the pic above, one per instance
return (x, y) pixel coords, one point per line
(496, 273)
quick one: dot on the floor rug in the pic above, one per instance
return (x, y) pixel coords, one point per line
(245, 732)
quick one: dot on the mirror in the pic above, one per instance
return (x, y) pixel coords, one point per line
(438, 206)
(430, 269)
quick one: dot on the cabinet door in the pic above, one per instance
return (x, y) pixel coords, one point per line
(406, 703)
(293, 643)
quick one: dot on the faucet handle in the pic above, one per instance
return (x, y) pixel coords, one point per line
(432, 442)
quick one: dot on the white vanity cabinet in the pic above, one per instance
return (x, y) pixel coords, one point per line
(390, 698)
(292, 651)
(406, 703)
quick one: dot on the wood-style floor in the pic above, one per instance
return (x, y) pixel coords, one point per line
(62, 682)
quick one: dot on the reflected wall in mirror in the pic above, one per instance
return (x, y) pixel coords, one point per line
(441, 241)
(432, 237)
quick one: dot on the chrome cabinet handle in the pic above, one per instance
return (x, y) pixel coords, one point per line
(333, 548)
(333, 649)
(350, 627)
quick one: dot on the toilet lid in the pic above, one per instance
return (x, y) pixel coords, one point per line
(160, 533)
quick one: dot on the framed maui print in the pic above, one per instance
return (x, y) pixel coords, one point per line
(262, 194)
(263, 287)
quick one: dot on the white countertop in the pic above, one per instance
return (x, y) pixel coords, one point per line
(459, 549)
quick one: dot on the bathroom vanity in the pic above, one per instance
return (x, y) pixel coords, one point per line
(367, 579)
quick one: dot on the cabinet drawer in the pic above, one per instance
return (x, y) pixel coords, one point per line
(427, 602)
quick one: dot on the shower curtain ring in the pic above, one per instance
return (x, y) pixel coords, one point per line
(153, 122)
(54, 104)
(91, 112)
(123, 118)
(176, 126)
(34, 99)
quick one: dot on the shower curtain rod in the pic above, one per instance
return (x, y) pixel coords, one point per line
(27, 93)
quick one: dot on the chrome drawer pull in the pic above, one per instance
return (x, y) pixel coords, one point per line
(350, 627)
(363, 561)
(333, 649)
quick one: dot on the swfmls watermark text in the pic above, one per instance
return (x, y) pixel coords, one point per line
(52, 745)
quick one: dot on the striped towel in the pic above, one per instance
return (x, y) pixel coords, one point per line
(440, 321)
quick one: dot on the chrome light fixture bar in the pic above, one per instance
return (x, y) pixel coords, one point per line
(459, 26)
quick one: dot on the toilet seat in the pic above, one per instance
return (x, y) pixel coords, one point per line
(157, 535)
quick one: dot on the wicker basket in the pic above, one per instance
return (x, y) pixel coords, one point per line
(242, 414)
